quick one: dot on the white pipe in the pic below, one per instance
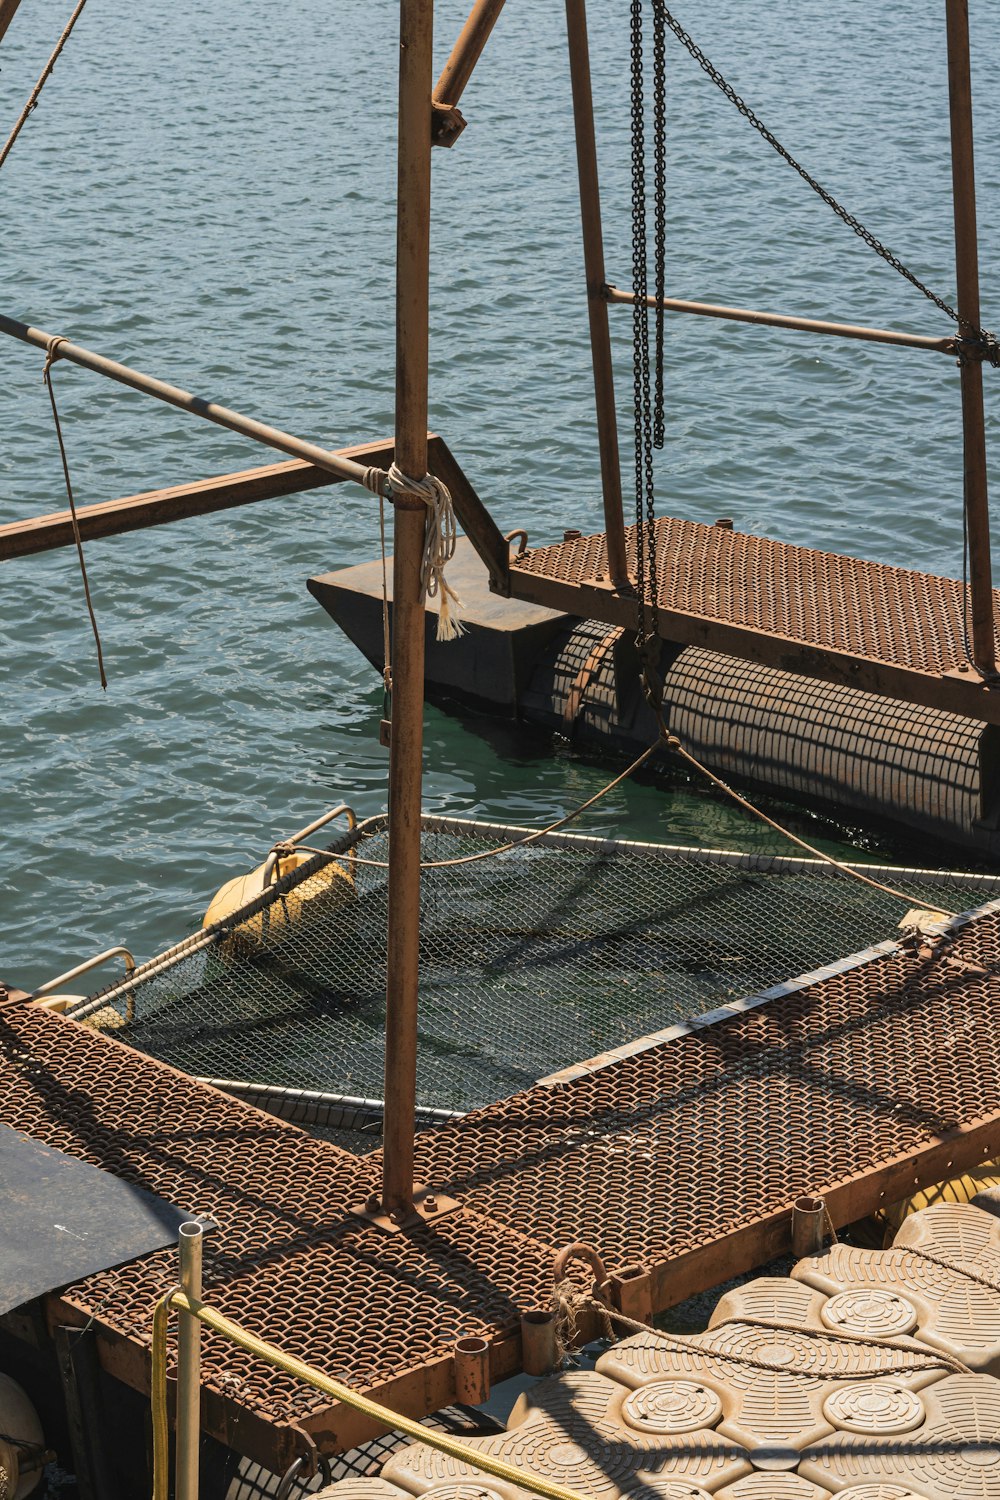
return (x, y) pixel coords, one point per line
(189, 1245)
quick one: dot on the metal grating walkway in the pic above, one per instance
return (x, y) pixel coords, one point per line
(885, 629)
(679, 1154)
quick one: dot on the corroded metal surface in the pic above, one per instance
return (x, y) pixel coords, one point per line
(683, 1157)
(289, 1261)
(680, 1154)
(753, 596)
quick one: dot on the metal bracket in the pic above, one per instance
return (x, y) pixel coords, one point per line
(427, 1207)
(447, 124)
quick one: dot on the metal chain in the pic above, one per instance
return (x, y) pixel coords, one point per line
(640, 324)
(645, 504)
(990, 346)
(660, 212)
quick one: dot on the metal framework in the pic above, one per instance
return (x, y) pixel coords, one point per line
(427, 113)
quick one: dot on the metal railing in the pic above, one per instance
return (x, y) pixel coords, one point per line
(52, 985)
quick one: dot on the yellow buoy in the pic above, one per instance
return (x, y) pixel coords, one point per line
(331, 887)
(955, 1190)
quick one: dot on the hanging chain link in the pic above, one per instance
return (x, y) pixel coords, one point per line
(988, 344)
(645, 505)
(660, 209)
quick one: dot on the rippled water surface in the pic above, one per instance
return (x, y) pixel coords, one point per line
(208, 193)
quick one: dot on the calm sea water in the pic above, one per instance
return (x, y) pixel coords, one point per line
(208, 193)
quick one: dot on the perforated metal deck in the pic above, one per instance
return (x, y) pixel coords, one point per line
(680, 1154)
(864, 624)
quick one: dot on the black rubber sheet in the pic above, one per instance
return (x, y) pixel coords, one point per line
(62, 1219)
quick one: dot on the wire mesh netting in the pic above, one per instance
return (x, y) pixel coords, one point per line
(530, 961)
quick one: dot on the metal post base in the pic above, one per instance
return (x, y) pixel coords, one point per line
(426, 1208)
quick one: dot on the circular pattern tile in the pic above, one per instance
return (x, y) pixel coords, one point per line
(467, 1490)
(878, 1492)
(874, 1408)
(871, 1312)
(670, 1406)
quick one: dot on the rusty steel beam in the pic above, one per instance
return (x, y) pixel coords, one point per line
(202, 497)
(597, 308)
(8, 10)
(473, 516)
(960, 693)
(946, 345)
(448, 122)
(199, 406)
(413, 225)
(180, 502)
(977, 511)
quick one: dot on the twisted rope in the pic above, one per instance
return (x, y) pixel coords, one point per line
(33, 96)
(52, 354)
(569, 1300)
(673, 743)
(440, 537)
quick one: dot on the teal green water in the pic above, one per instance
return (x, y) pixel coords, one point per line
(207, 193)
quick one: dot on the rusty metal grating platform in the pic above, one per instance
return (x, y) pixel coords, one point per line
(680, 1153)
(887, 629)
(289, 1260)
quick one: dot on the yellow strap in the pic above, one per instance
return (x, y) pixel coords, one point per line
(393, 1420)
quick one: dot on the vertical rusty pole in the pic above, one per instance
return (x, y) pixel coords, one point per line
(413, 209)
(977, 516)
(593, 255)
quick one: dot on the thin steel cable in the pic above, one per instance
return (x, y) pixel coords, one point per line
(46, 71)
(50, 358)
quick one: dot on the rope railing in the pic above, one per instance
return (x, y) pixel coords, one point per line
(335, 1389)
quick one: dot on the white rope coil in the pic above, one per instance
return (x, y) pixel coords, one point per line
(440, 537)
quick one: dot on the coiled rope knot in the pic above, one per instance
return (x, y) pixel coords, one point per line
(569, 1299)
(53, 351)
(440, 537)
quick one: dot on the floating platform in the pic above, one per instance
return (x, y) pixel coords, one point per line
(788, 1395)
(838, 747)
(677, 1156)
(860, 624)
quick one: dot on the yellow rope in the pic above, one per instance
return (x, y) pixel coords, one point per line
(393, 1420)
